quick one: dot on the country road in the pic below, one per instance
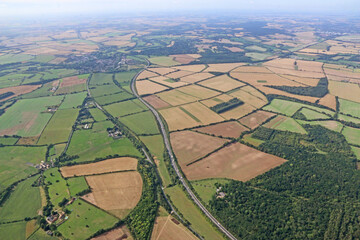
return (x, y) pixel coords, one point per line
(173, 163)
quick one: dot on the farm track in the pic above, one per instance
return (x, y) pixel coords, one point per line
(173, 162)
(148, 159)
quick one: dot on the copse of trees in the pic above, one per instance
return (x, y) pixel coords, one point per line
(226, 106)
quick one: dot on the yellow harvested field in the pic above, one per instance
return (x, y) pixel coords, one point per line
(216, 100)
(105, 166)
(196, 77)
(192, 68)
(162, 71)
(328, 101)
(268, 90)
(230, 129)
(168, 228)
(198, 91)
(255, 119)
(248, 98)
(341, 75)
(348, 91)
(238, 112)
(189, 146)
(120, 233)
(287, 63)
(302, 80)
(168, 82)
(146, 74)
(236, 161)
(252, 69)
(297, 73)
(177, 119)
(260, 79)
(115, 191)
(148, 87)
(202, 113)
(223, 67)
(253, 91)
(222, 83)
(175, 97)
(178, 74)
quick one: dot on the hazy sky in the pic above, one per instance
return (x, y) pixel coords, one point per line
(41, 7)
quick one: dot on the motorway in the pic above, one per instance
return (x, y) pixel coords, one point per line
(173, 163)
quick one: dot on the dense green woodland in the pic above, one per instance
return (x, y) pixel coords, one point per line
(315, 195)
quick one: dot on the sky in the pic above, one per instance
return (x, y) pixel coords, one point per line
(48, 7)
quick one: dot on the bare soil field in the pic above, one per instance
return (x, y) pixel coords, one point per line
(115, 191)
(329, 101)
(198, 91)
(236, 161)
(222, 83)
(256, 119)
(226, 129)
(146, 74)
(162, 71)
(192, 68)
(119, 233)
(18, 90)
(238, 112)
(223, 67)
(168, 228)
(148, 87)
(105, 166)
(156, 102)
(175, 97)
(189, 146)
(196, 77)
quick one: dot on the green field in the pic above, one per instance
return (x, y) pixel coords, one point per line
(117, 97)
(312, 115)
(43, 58)
(8, 140)
(71, 89)
(257, 56)
(16, 163)
(163, 61)
(125, 76)
(97, 114)
(94, 143)
(43, 91)
(13, 58)
(18, 206)
(41, 235)
(77, 185)
(101, 78)
(352, 135)
(12, 79)
(97, 91)
(191, 213)
(253, 141)
(286, 124)
(125, 108)
(206, 189)
(17, 231)
(349, 107)
(73, 100)
(59, 73)
(26, 118)
(288, 108)
(141, 123)
(356, 150)
(85, 220)
(348, 118)
(35, 78)
(155, 144)
(59, 127)
(56, 186)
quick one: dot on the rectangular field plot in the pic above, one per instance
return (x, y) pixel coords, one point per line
(71, 89)
(125, 108)
(199, 92)
(147, 87)
(101, 78)
(16, 230)
(156, 102)
(352, 135)
(348, 118)
(356, 151)
(223, 67)
(255, 119)
(169, 82)
(196, 77)
(238, 112)
(115, 192)
(189, 146)
(230, 129)
(123, 77)
(57, 189)
(141, 123)
(248, 98)
(313, 115)
(146, 74)
(117, 97)
(285, 124)
(329, 124)
(222, 83)
(191, 68)
(175, 97)
(105, 166)
(27, 117)
(77, 185)
(97, 114)
(201, 114)
(73, 100)
(59, 127)
(97, 91)
(85, 220)
(347, 91)
(18, 162)
(95, 143)
(177, 119)
(168, 228)
(349, 107)
(237, 161)
(216, 100)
